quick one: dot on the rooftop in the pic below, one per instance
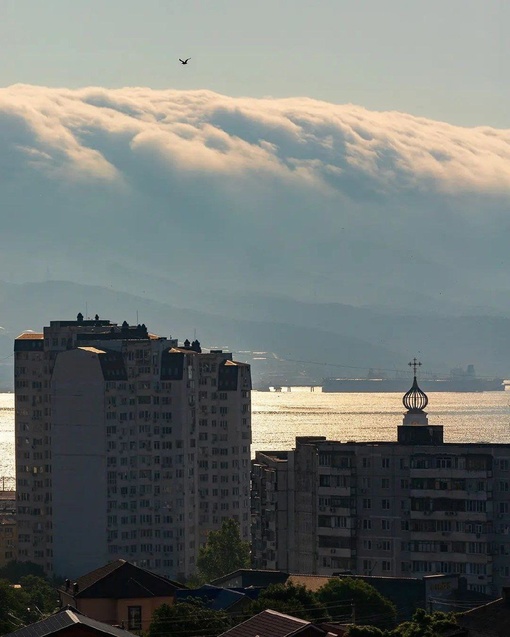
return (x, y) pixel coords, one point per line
(67, 618)
(30, 336)
(269, 623)
(120, 580)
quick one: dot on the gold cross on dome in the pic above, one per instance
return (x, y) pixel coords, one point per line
(414, 364)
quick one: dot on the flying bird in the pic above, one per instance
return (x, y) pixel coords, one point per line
(184, 61)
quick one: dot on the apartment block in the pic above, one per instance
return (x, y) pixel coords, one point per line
(414, 507)
(128, 445)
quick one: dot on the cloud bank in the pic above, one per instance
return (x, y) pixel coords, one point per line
(277, 195)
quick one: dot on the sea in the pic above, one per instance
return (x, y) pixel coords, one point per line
(278, 417)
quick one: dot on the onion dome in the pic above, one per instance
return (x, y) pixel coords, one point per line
(415, 400)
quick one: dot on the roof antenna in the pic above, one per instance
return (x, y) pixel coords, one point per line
(137, 317)
(86, 310)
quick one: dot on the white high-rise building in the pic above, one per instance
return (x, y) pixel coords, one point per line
(127, 446)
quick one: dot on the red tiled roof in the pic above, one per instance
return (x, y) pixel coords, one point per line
(268, 623)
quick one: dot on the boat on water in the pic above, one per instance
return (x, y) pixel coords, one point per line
(459, 381)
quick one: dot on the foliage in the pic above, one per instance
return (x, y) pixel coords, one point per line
(425, 625)
(346, 596)
(291, 599)
(223, 553)
(14, 571)
(9, 607)
(29, 602)
(40, 595)
(366, 631)
(187, 619)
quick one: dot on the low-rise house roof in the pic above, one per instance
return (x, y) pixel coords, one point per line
(489, 620)
(245, 577)
(270, 623)
(69, 621)
(118, 580)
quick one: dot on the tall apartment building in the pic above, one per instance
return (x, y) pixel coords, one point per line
(413, 507)
(127, 446)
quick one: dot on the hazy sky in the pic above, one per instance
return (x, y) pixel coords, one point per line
(443, 59)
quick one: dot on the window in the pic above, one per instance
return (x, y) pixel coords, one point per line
(134, 617)
(385, 463)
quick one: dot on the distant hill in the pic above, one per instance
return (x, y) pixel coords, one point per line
(302, 340)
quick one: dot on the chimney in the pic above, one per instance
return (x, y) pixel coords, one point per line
(67, 584)
(506, 595)
(76, 588)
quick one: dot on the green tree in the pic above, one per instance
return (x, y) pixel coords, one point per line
(366, 631)
(187, 619)
(14, 571)
(223, 553)
(40, 595)
(291, 599)
(425, 624)
(348, 596)
(11, 608)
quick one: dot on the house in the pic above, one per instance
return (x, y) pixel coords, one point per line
(439, 592)
(443, 592)
(489, 620)
(270, 623)
(69, 622)
(119, 593)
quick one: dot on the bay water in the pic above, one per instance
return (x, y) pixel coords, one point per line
(278, 417)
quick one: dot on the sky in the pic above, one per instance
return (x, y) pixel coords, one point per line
(441, 59)
(347, 151)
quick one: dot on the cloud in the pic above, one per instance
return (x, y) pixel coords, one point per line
(274, 193)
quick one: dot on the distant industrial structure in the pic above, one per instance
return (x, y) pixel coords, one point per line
(414, 507)
(127, 446)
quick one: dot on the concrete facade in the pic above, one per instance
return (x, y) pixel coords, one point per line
(127, 446)
(414, 507)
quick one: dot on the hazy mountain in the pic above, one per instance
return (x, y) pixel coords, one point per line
(314, 340)
(149, 191)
